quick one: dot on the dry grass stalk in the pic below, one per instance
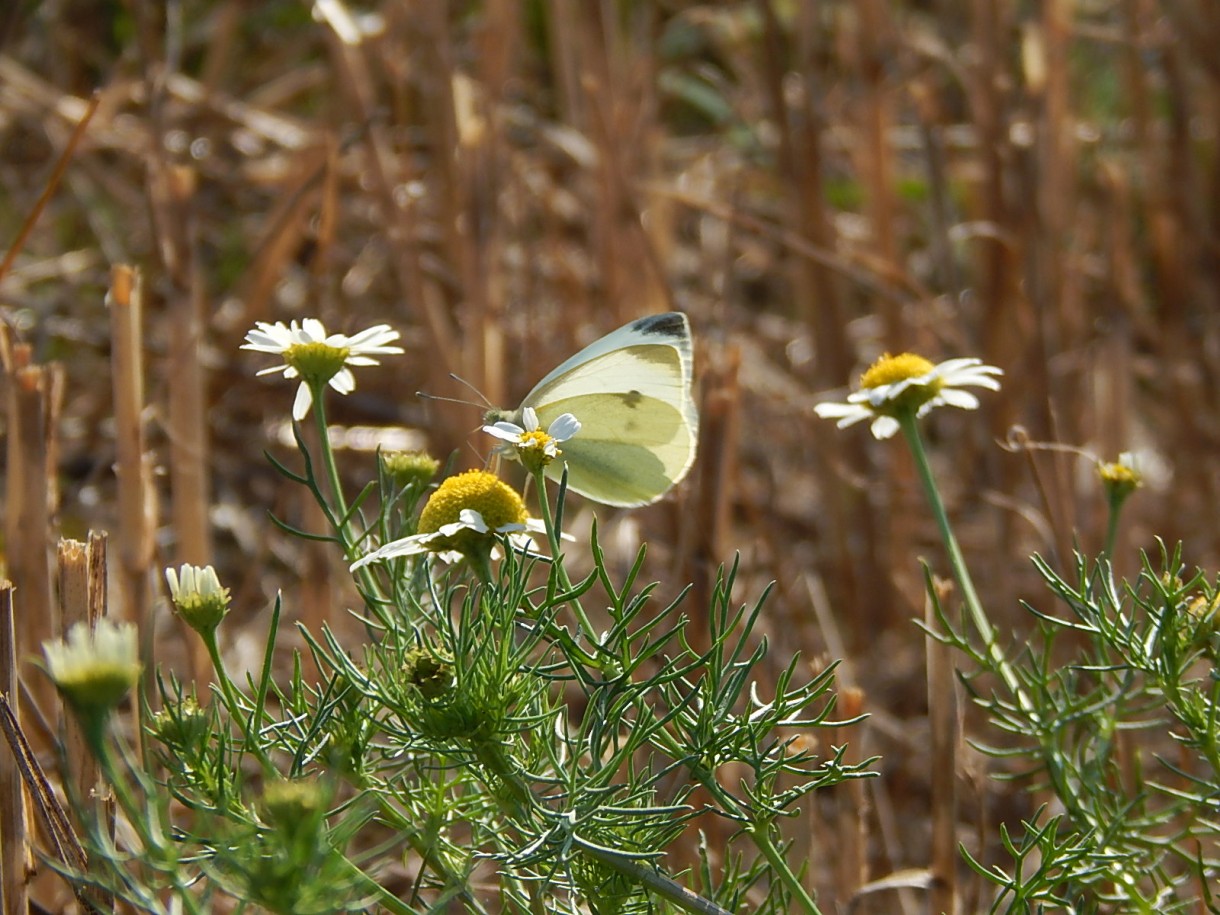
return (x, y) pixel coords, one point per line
(171, 191)
(66, 846)
(16, 859)
(73, 566)
(82, 599)
(61, 166)
(851, 869)
(704, 526)
(133, 465)
(385, 172)
(32, 408)
(943, 728)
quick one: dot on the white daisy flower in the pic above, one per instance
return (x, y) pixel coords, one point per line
(463, 518)
(198, 596)
(528, 443)
(313, 355)
(94, 667)
(895, 385)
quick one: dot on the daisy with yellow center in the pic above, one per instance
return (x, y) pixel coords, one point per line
(896, 386)
(94, 667)
(319, 358)
(528, 443)
(464, 518)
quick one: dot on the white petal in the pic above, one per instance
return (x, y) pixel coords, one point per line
(846, 414)
(269, 338)
(513, 528)
(313, 329)
(529, 419)
(950, 366)
(472, 520)
(510, 432)
(564, 427)
(344, 381)
(956, 397)
(884, 426)
(972, 377)
(304, 400)
(375, 340)
(407, 546)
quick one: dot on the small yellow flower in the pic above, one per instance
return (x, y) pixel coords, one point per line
(907, 384)
(198, 596)
(1120, 478)
(410, 468)
(290, 804)
(94, 668)
(528, 443)
(463, 518)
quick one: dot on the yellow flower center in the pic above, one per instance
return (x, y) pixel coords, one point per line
(478, 491)
(99, 683)
(316, 361)
(890, 369)
(1119, 476)
(532, 450)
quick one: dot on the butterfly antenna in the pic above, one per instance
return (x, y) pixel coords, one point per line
(485, 405)
(466, 403)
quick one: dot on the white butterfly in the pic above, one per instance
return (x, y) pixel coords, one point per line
(631, 392)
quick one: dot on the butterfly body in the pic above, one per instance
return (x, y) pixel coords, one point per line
(631, 392)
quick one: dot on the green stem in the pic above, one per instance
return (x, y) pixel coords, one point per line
(515, 800)
(339, 514)
(236, 712)
(388, 900)
(328, 460)
(663, 886)
(159, 853)
(760, 833)
(553, 538)
(961, 572)
(1112, 528)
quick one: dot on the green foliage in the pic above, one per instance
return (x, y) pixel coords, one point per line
(1115, 714)
(481, 732)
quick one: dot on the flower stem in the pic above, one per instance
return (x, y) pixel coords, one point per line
(974, 607)
(553, 539)
(236, 712)
(1112, 528)
(338, 515)
(760, 833)
(158, 852)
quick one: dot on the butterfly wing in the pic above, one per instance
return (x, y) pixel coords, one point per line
(631, 391)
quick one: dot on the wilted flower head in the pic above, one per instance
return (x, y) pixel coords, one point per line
(94, 667)
(908, 384)
(319, 358)
(1120, 478)
(410, 468)
(528, 443)
(462, 518)
(427, 673)
(198, 596)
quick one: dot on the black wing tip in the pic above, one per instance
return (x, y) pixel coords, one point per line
(670, 324)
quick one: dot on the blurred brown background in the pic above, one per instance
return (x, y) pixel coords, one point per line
(813, 183)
